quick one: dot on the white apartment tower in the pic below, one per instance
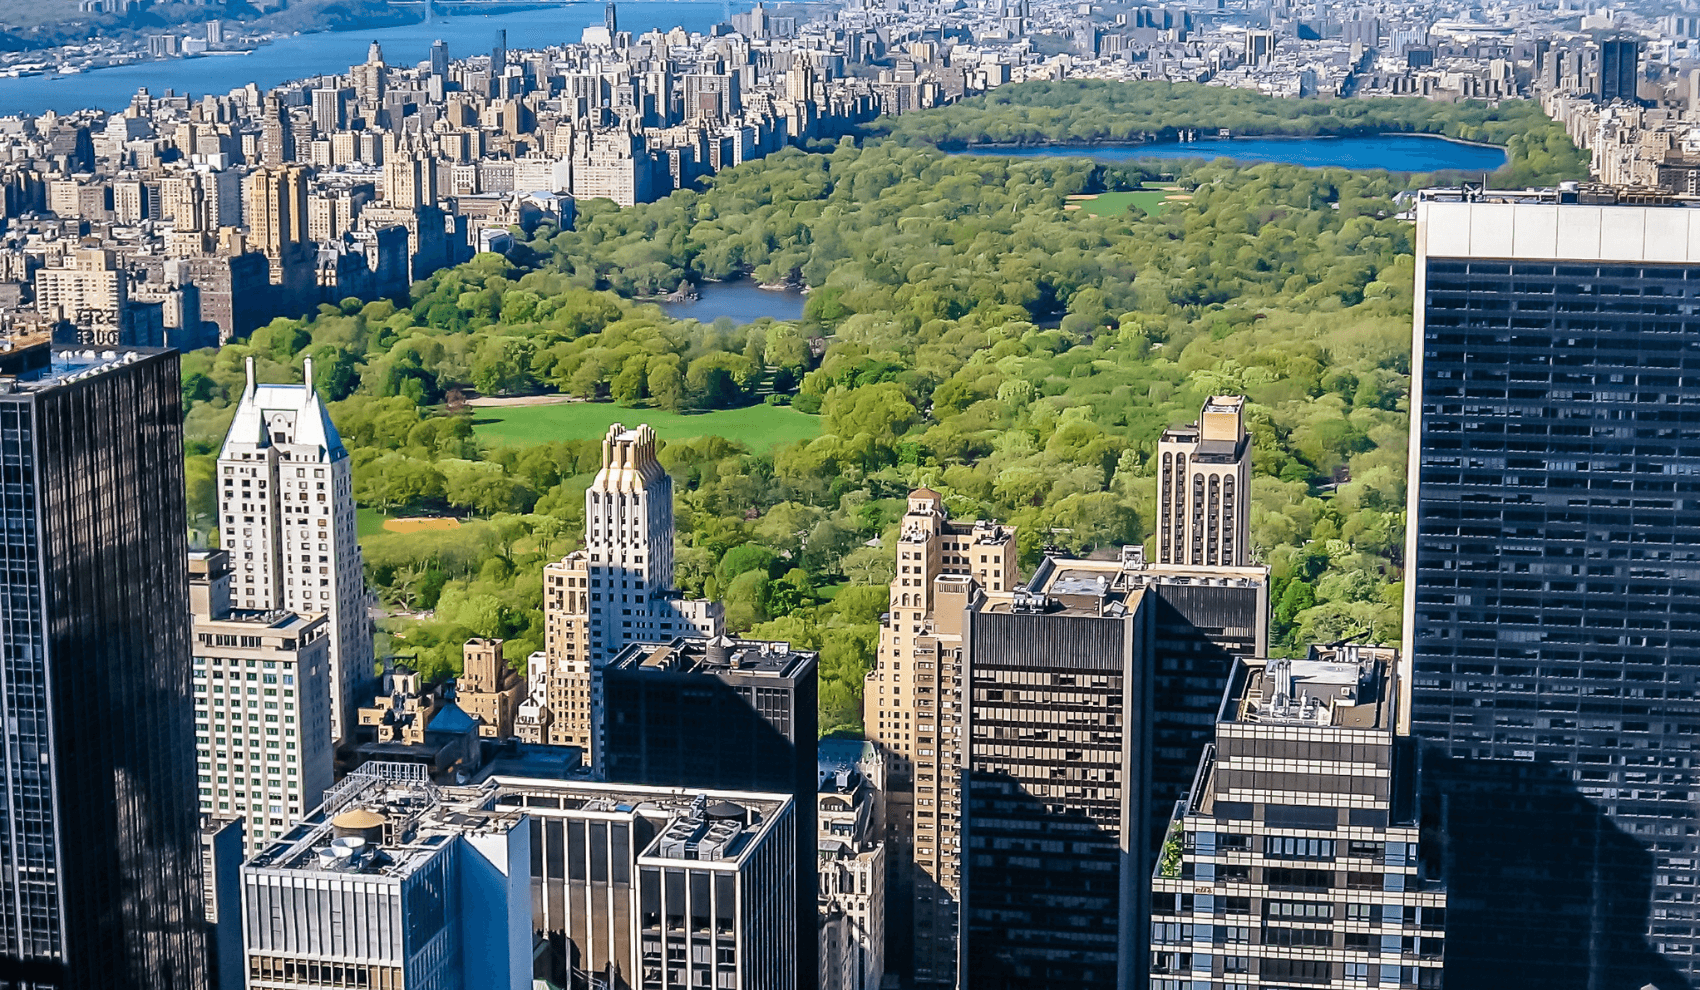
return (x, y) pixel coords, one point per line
(1204, 488)
(262, 680)
(615, 591)
(286, 517)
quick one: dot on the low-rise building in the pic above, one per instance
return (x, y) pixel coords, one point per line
(393, 884)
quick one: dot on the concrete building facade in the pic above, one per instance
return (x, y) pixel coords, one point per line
(1295, 858)
(262, 706)
(1204, 488)
(912, 711)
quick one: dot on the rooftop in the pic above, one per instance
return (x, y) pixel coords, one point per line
(1338, 686)
(722, 655)
(33, 365)
(1068, 585)
(692, 824)
(382, 820)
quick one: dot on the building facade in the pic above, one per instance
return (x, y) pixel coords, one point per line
(1204, 488)
(851, 866)
(615, 591)
(488, 689)
(725, 714)
(286, 518)
(911, 705)
(100, 869)
(392, 884)
(660, 888)
(1057, 732)
(1550, 582)
(1295, 858)
(262, 707)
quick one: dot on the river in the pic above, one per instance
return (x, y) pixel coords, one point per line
(1394, 152)
(742, 301)
(305, 55)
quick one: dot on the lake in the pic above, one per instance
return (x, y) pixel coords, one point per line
(742, 301)
(305, 55)
(1393, 152)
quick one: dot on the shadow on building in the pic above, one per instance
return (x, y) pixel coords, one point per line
(1546, 892)
(1051, 899)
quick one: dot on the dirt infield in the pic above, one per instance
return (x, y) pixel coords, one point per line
(417, 524)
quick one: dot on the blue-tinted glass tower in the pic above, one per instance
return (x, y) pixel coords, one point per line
(1553, 583)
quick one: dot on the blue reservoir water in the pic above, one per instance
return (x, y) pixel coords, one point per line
(742, 301)
(334, 51)
(1394, 152)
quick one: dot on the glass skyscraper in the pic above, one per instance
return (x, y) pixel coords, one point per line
(1553, 583)
(99, 849)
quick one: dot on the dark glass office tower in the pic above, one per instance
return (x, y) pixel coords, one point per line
(1619, 69)
(99, 847)
(1056, 864)
(725, 714)
(1553, 583)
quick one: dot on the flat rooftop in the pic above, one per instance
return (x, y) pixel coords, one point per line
(691, 823)
(693, 655)
(23, 367)
(1346, 687)
(383, 820)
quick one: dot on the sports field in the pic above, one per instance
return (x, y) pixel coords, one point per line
(1152, 201)
(371, 522)
(759, 427)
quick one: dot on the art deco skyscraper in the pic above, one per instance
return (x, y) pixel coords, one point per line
(615, 591)
(100, 880)
(286, 517)
(912, 704)
(1204, 488)
(1553, 577)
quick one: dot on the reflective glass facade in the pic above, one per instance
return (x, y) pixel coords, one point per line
(99, 849)
(1555, 625)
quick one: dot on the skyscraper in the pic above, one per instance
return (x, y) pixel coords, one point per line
(252, 665)
(720, 713)
(100, 850)
(615, 591)
(499, 55)
(912, 705)
(392, 883)
(659, 888)
(286, 517)
(610, 20)
(1295, 859)
(1620, 69)
(1551, 582)
(1204, 488)
(1056, 803)
(439, 58)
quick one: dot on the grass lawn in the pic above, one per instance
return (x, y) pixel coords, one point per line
(760, 427)
(368, 522)
(1152, 201)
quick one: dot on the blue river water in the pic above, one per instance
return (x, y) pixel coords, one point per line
(306, 55)
(1393, 152)
(743, 301)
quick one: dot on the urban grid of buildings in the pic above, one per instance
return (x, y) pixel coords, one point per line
(1090, 775)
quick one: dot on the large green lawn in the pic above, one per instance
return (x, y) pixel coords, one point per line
(759, 427)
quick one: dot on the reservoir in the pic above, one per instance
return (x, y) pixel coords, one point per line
(1393, 152)
(306, 55)
(741, 301)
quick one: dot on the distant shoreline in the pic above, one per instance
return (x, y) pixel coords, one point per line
(1105, 142)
